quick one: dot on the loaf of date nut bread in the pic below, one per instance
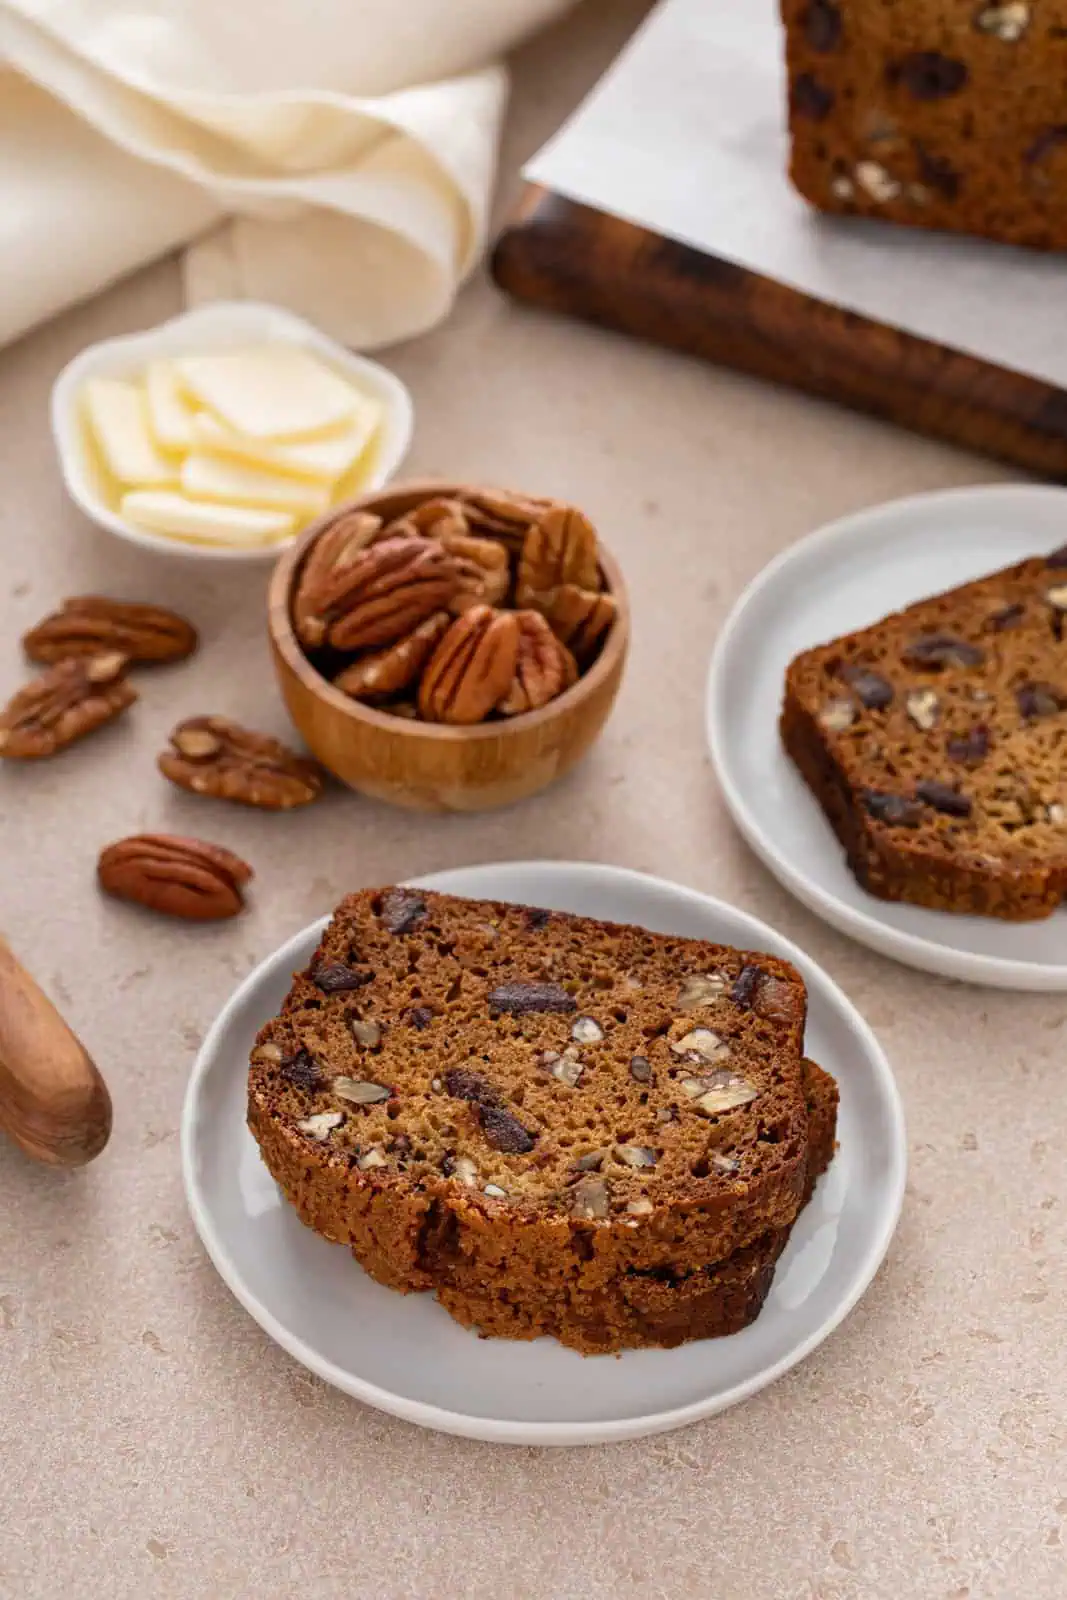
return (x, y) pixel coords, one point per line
(935, 741)
(936, 113)
(547, 1099)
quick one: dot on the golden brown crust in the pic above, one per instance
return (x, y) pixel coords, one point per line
(650, 1309)
(823, 1100)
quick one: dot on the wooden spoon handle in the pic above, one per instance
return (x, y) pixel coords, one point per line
(53, 1101)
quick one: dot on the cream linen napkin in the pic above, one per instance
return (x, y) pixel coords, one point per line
(334, 157)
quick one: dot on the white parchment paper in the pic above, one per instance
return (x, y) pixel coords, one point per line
(686, 136)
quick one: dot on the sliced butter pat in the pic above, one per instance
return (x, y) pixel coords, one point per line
(117, 414)
(323, 460)
(175, 514)
(209, 478)
(270, 392)
(169, 413)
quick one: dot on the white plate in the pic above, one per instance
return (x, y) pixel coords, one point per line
(222, 325)
(841, 578)
(404, 1354)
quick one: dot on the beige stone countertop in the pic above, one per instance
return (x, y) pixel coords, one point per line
(153, 1441)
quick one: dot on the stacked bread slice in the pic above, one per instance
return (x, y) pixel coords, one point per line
(560, 1126)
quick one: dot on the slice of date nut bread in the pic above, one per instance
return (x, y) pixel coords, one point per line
(652, 1306)
(455, 1080)
(932, 113)
(936, 743)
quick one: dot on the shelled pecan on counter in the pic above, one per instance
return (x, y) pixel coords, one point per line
(186, 878)
(88, 647)
(215, 757)
(72, 698)
(469, 607)
(91, 625)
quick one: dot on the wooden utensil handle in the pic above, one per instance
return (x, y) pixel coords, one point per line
(53, 1101)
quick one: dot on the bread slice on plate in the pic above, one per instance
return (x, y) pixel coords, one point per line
(545, 1102)
(936, 743)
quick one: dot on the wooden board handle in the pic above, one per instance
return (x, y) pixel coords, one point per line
(569, 258)
(53, 1101)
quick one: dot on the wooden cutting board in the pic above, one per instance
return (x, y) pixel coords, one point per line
(569, 258)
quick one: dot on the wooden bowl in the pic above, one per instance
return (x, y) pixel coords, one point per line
(427, 766)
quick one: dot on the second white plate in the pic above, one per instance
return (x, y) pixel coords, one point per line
(404, 1354)
(841, 578)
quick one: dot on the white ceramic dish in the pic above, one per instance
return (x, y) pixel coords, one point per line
(404, 1354)
(841, 578)
(223, 325)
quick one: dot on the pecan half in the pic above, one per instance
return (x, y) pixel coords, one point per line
(435, 518)
(92, 625)
(544, 668)
(502, 514)
(71, 699)
(214, 757)
(472, 667)
(386, 592)
(559, 549)
(397, 667)
(579, 618)
(178, 877)
(333, 552)
(483, 568)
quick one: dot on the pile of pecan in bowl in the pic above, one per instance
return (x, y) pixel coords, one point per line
(467, 608)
